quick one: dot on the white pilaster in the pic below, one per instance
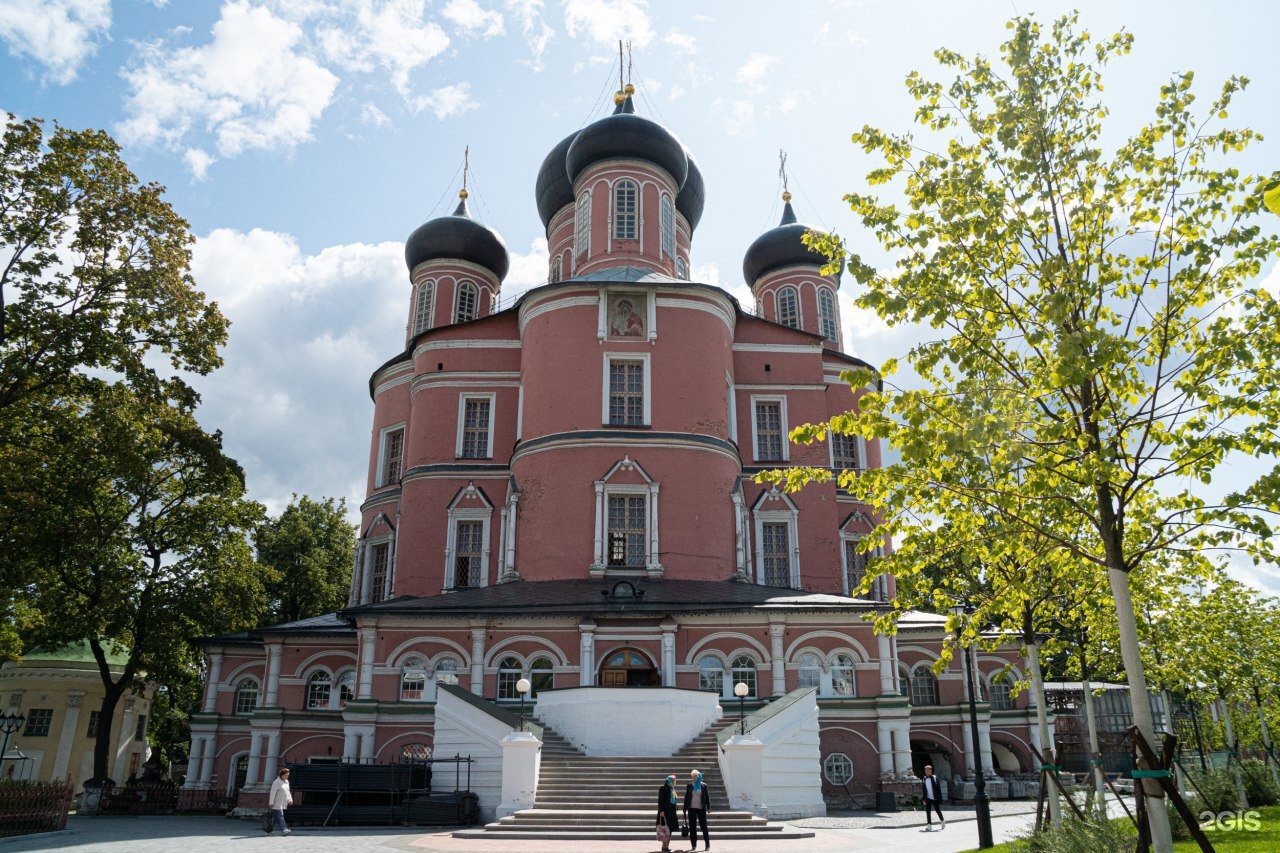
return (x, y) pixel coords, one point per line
(587, 654)
(969, 756)
(777, 660)
(211, 686)
(739, 537)
(272, 757)
(207, 756)
(477, 660)
(195, 755)
(252, 775)
(902, 749)
(984, 746)
(271, 698)
(668, 653)
(350, 744)
(70, 731)
(120, 770)
(884, 649)
(884, 743)
(368, 648)
(598, 560)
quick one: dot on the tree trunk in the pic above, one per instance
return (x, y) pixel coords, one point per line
(1266, 735)
(1042, 720)
(1233, 748)
(1140, 698)
(102, 742)
(1095, 760)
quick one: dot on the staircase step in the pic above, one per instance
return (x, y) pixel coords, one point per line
(782, 833)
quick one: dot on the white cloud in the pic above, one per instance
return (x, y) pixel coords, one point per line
(741, 119)
(370, 114)
(198, 161)
(252, 86)
(59, 34)
(607, 21)
(1271, 282)
(682, 42)
(392, 35)
(307, 331)
(528, 270)
(446, 101)
(469, 15)
(788, 103)
(752, 72)
(537, 33)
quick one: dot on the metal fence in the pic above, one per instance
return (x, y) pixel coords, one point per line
(27, 807)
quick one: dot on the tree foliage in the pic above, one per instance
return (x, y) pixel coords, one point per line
(309, 547)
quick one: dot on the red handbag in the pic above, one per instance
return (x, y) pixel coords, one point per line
(664, 831)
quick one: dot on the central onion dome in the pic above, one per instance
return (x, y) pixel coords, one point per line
(458, 237)
(782, 247)
(622, 135)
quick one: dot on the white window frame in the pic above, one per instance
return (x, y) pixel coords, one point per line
(828, 765)
(782, 423)
(421, 323)
(482, 514)
(239, 688)
(733, 408)
(457, 301)
(610, 357)
(667, 220)
(927, 673)
(557, 269)
(829, 681)
(311, 677)
(802, 664)
(380, 477)
(731, 679)
(777, 306)
(582, 225)
(620, 491)
(824, 319)
(433, 675)
(347, 677)
(682, 269)
(462, 416)
(519, 670)
(371, 546)
(789, 515)
(723, 670)
(414, 666)
(614, 213)
(605, 489)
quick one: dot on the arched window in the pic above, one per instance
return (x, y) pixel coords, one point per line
(999, 693)
(319, 686)
(788, 307)
(468, 299)
(711, 674)
(557, 269)
(541, 675)
(626, 211)
(668, 211)
(682, 269)
(827, 314)
(924, 686)
(346, 687)
(413, 680)
(842, 682)
(744, 670)
(904, 683)
(425, 304)
(446, 671)
(582, 225)
(810, 671)
(837, 768)
(246, 696)
(508, 674)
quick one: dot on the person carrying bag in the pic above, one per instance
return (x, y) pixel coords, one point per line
(668, 821)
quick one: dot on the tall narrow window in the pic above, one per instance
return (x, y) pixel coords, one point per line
(508, 677)
(557, 269)
(413, 680)
(318, 688)
(392, 457)
(346, 687)
(468, 299)
(777, 557)
(855, 566)
(92, 730)
(810, 674)
(788, 307)
(541, 675)
(743, 671)
(842, 680)
(668, 227)
(468, 553)
(422, 310)
(711, 674)
(827, 314)
(924, 686)
(1000, 698)
(378, 576)
(625, 211)
(582, 225)
(682, 269)
(844, 454)
(626, 393)
(769, 431)
(627, 530)
(475, 428)
(246, 696)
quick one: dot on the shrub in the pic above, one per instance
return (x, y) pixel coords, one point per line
(1216, 790)
(1072, 835)
(1259, 785)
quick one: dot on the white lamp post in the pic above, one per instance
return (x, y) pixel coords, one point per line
(740, 690)
(522, 687)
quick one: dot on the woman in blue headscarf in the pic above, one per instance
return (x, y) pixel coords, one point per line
(667, 809)
(697, 803)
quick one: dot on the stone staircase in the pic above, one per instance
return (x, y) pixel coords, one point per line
(615, 798)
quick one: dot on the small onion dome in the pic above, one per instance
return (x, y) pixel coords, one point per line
(781, 247)
(625, 135)
(693, 195)
(458, 237)
(554, 189)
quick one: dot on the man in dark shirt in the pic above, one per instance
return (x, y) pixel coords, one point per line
(932, 799)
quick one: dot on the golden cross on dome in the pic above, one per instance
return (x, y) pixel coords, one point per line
(466, 167)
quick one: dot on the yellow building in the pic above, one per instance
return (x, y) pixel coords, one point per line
(59, 692)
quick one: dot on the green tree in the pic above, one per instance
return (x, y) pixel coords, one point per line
(94, 270)
(137, 540)
(1101, 331)
(310, 547)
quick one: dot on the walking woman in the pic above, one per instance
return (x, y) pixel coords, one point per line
(280, 799)
(667, 809)
(697, 804)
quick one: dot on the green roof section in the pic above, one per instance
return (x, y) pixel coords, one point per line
(78, 652)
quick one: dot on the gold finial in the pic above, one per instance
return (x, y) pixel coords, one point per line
(628, 90)
(618, 98)
(462, 193)
(786, 196)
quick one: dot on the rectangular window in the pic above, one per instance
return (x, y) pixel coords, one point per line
(844, 454)
(468, 553)
(475, 428)
(92, 729)
(855, 566)
(582, 227)
(140, 730)
(627, 531)
(626, 393)
(378, 585)
(392, 455)
(38, 722)
(777, 557)
(769, 431)
(668, 227)
(625, 211)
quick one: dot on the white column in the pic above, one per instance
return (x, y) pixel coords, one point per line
(366, 746)
(389, 586)
(356, 571)
(884, 741)
(211, 686)
(194, 756)
(477, 661)
(272, 692)
(969, 755)
(366, 577)
(512, 501)
(888, 685)
(207, 756)
(587, 654)
(502, 544)
(272, 757)
(668, 653)
(70, 730)
(777, 659)
(251, 775)
(984, 746)
(600, 523)
(655, 567)
(350, 744)
(740, 541)
(902, 749)
(126, 737)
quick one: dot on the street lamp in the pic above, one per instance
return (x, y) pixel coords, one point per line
(740, 690)
(981, 804)
(9, 723)
(522, 687)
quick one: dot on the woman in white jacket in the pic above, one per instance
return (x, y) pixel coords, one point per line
(280, 799)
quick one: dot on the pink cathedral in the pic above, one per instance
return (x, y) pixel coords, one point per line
(563, 491)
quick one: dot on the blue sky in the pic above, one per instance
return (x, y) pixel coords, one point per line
(305, 139)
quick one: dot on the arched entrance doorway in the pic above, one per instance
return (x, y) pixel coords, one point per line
(628, 668)
(927, 752)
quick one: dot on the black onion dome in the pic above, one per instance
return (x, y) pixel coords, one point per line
(458, 237)
(693, 195)
(781, 247)
(554, 189)
(627, 135)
